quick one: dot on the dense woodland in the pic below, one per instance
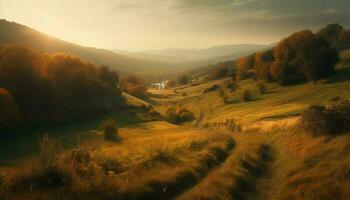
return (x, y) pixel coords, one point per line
(52, 88)
(303, 56)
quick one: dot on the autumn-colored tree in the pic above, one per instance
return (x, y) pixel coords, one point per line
(125, 81)
(138, 90)
(108, 76)
(263, 63)
(20, 74)
(219, 72)
(51, 88)
(303, 56)
(245, 64)
(318, 58)
(134, 86)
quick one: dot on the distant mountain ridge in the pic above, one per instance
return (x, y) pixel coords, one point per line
(149, 63)
(212, 53)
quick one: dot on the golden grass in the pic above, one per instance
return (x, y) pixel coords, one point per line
(154, 160)
(304, 167)
(237, 177)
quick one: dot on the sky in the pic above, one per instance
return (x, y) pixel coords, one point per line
(138, 25)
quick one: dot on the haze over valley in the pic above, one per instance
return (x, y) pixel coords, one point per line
(174, 99)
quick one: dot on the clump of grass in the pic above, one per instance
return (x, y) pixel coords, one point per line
(109, 128)
(44, 171)
(110, 164)
(246, 95)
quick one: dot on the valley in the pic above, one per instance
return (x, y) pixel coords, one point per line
(174, 100)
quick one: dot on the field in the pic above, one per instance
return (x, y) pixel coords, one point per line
(270, 158)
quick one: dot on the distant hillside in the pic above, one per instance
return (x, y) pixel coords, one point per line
(11, 32)
(217, 53)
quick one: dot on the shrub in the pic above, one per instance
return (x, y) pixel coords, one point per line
(261, 86)
(246, 95)
(181, 114)
(314, 119)
(109, 128)
(332, 119)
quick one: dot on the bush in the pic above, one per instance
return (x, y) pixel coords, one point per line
(181, 114)
(246, 95)
(109, 128)
(261, 86)
(333, 119)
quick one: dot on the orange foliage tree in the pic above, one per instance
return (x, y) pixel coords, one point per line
(52, 88)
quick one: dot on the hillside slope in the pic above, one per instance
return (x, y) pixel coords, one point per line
(300, 166)
(13, 33)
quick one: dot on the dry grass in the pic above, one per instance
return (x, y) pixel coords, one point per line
(147, 164)
(304, 167)
(237, 177)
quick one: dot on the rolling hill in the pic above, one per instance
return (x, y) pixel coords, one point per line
(14, 33)
(150, 63)
(216, 53)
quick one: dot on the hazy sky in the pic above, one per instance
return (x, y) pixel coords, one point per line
(154, 24)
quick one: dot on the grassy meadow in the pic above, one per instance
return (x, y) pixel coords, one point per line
(270, 158)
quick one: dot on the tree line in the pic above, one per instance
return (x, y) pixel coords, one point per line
(300, 57)
(39, 89)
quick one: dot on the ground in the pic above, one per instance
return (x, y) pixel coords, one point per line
(270, 158)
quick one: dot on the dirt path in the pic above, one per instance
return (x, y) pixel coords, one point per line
(263, 188)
